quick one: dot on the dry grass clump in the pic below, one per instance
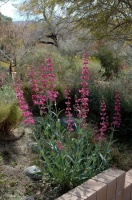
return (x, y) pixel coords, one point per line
(10, 117)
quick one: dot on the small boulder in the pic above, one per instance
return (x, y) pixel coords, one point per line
(34, 147)
(34, 173)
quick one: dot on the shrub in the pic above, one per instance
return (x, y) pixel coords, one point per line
(107, 90)
(10, 117)
(124, 86)
(95, 70)
(10, 114)
(4, 78)
(7, 94)
(109, 61)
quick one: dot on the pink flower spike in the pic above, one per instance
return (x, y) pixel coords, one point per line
(117, 112)
(68, 110)
(81, 104)
(104, 122)
(23, 105)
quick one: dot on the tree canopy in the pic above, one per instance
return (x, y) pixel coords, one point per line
(49, 16)
(110, 19)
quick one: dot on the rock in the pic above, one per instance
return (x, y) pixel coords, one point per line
(34, 147)
(34, 173)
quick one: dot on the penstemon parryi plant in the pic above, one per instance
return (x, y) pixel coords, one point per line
(69, 156)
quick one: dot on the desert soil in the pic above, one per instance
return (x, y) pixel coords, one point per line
(16, 157)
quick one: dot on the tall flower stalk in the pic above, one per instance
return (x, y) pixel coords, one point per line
(68, 110)
(104, 120)
(23, 105)
(81, 104)
(99, 134)
(117, 112)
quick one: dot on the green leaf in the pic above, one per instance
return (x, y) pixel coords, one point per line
(70, 158)
(101, 156)
(58, 125)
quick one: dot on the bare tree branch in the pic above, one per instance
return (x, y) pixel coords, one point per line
(3, 3)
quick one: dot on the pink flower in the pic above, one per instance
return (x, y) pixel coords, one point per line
(43, 83)
(60, 146)
(29, 120)
(23, 105)
(26, 113)
(98, 135)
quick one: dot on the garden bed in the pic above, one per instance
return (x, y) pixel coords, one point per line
(17, 156)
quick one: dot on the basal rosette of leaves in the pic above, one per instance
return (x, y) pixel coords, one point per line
(70, 158)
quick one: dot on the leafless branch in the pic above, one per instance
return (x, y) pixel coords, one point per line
(4, 54)
(4, 3)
